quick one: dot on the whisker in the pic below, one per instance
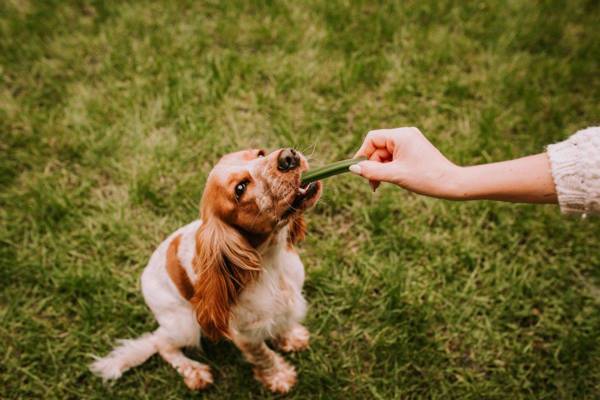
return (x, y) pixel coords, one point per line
(314, 148)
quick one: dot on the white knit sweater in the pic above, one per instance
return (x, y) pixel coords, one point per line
(576, 172)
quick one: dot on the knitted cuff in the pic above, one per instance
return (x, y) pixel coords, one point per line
(566, 172)
(576, 172)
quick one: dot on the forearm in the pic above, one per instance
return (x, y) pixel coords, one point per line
(524, 180)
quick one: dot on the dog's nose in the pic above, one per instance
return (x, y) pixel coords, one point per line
(288, 160)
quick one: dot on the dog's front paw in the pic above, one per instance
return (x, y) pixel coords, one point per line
(195, 375)
(295, 339)
(280, 379)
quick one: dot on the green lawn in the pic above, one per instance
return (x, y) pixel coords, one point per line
(112, 114)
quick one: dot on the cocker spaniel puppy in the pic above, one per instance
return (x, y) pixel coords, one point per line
(234, 273)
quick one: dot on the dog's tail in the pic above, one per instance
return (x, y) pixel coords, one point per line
(128, 354)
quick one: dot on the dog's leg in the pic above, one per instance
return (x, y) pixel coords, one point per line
(196, 375)
(269, 367)
(295, 339)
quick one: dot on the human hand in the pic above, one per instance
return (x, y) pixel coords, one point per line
(404, 156)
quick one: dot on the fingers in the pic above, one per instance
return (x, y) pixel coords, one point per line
(374, 171)
(375, 140)
(374, 185)
(387, 139)
(380, 155)
(380, 147)
(375, 149)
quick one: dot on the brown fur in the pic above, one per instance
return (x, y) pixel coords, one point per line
(297, 230)
(225, 263)
(177, 272)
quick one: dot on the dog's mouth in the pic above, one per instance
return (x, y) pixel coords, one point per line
(306, 192)
(306, 196)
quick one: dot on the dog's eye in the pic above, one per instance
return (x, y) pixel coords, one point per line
(261, 153)
(240, 189)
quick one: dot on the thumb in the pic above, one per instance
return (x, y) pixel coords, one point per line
(373, 170)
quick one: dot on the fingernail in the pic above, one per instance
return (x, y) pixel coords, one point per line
(355, 169)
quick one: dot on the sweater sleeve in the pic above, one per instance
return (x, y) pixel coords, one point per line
(575, 165)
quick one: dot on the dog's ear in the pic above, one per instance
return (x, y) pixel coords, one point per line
(224, 263)
(296, 230)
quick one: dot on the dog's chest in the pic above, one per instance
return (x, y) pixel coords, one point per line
(274, 300)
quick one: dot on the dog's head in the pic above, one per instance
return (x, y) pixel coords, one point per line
(248, 199)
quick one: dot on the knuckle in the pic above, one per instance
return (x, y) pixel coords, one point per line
(409, 132)
(414, 131)
(376, 132)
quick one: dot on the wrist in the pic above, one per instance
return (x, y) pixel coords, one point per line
(457, 184)
(445, 182)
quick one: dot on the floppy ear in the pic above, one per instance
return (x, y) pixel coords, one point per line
(224, 263)
(296, 230)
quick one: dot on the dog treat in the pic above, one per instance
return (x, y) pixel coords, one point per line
(329, 170)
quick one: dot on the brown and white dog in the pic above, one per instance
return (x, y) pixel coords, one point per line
(232, 274)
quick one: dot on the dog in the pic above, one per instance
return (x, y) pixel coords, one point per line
(233, 273)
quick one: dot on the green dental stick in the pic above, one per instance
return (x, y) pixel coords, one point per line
(332, 169)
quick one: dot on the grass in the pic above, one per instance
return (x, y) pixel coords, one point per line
(112, 114)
